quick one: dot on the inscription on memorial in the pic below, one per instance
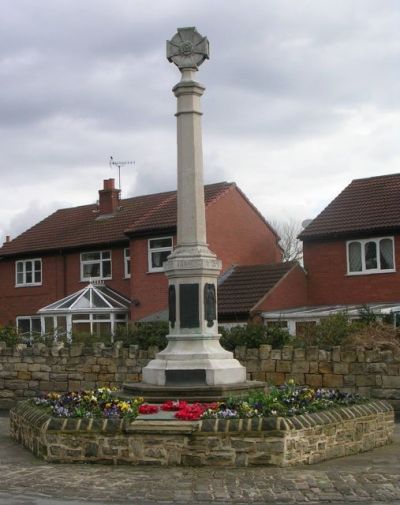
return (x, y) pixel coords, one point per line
(189, 305)
(186, 377)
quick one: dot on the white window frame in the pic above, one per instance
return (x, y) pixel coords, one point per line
(30, 322)
(157, 249)
(24, 263)
(364, 270)
(127, 261)
(101, 260)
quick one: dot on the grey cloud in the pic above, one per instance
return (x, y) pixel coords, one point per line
(84, 80)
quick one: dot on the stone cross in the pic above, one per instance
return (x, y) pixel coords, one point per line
(194, 355)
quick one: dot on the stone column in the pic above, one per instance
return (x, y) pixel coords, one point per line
(194, 355)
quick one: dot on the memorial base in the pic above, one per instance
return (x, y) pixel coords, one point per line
(190, 393)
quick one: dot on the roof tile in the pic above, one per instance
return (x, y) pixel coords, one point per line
(81, 226)
(365, 205)
(247, 284)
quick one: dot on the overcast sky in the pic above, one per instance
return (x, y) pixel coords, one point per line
(302, 97)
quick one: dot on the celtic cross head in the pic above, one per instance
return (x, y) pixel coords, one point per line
(188, 49)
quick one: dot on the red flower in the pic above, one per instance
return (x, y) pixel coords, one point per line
(173, 406)
(148, 409)
(191, 412)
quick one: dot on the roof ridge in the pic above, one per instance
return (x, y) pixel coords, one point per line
(153, 210)
(397, 174)
(257, 212)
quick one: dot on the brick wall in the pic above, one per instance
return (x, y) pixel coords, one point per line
(26, 371)
(237, 233)
(328, 282)
(61, 277)
(290, 291)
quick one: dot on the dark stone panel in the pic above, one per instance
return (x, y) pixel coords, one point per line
(189, 305)
(185, 377)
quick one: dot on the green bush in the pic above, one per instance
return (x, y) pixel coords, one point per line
(144, 335)
(9, 335)
(253, 335)
(331, 331)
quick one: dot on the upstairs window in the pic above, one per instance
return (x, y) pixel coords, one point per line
(373, 255)
(28, 272)
(158, 251)
(95, 265)
(127, 263)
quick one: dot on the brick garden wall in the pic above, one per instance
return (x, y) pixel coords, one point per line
(26, 371)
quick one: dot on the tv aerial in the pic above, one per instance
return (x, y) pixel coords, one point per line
(119, 164)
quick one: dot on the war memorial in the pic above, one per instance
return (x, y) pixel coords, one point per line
(194, 367)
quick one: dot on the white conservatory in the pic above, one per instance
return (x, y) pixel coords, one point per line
(95, 309)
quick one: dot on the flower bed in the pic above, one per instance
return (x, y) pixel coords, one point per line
(286, 400)
(288, 426)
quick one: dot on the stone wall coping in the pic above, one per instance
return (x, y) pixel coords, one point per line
(310, 353)
(42, 421)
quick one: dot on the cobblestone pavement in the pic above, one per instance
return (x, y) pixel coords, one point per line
(372, 478)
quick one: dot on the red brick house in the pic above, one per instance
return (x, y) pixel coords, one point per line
(245, 291)
(121, 243)
(351, 252)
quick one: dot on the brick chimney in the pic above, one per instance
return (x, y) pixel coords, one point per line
(108, 197)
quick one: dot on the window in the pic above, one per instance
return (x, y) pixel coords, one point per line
(95, 265)
(28, 272)
(101, 325)
(159, 250)
(370, 256)
(27, 325)
(127, 262)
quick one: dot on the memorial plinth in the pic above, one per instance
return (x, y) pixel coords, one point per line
(193, 358)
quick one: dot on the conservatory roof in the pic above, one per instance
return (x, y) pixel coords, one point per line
(92, 298)
(315, 312)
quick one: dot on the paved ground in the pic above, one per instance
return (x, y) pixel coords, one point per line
(372, 478)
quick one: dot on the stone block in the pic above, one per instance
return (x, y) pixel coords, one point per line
(341, 368)
(349, 380)
(298, 378)
(275, 377)
(325, 366)
(376, 368)
(265, 351)
(390, 381)
(314, 380)
(372, 355)
(252, 353)
(299, 354)
(24, 375)
(76, 350)
(324, 355)
(45, 376)
(276, 354)
(336, 353)
(300, 367)
(19, 367)
(393, 369)
(348, 356)
(268, 365)
(252, 365)
(332, 381)
(365, 380)
(259, 376)
(287, 352)
(312, 353)
(357, 368)
(313, 367)
(283, 366)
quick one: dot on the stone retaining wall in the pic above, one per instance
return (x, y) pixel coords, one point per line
(303, 439)
(24, 372)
